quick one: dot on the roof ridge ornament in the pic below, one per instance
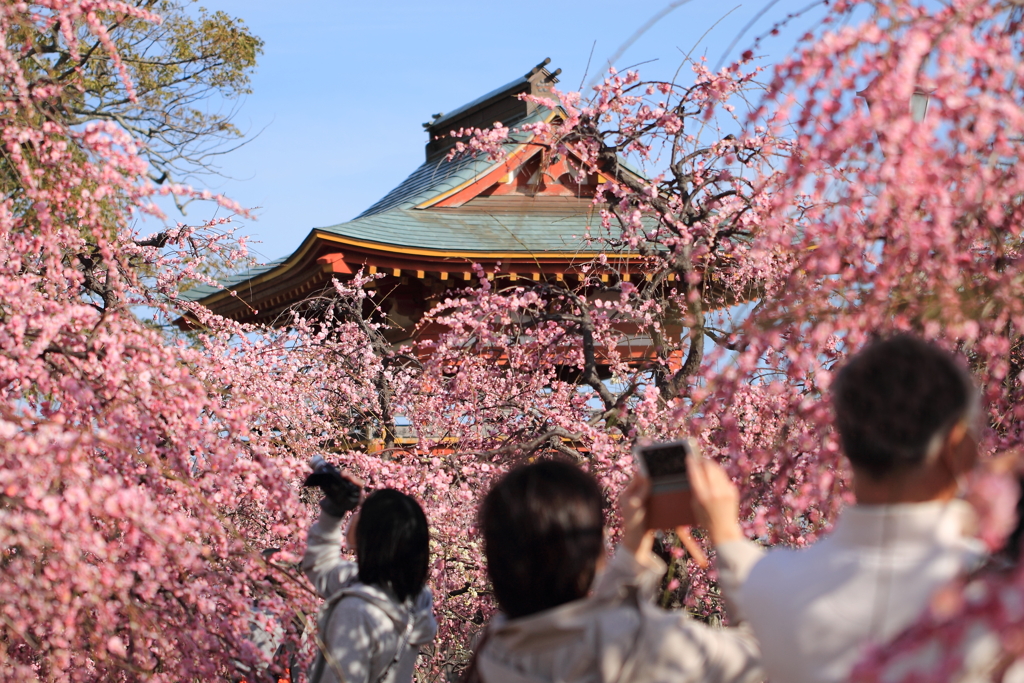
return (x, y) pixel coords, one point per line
(534, 70)
(435, 118)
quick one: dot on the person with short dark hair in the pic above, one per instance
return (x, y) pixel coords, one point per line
(896, 402)
(378, 611)
(907, 413)
(543, 529)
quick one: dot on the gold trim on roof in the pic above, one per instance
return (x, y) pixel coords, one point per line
(318, 233)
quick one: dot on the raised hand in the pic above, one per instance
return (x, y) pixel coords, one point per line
(716, 500)
(342, 491)
(633, 508)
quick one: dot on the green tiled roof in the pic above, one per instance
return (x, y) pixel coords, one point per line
(429, 180)
(435, 177)
(451, 230)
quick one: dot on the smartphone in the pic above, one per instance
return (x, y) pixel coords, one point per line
(668, 505)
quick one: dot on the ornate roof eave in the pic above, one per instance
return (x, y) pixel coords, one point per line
(324, 255)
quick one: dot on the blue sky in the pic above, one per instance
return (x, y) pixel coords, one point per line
(342, 88)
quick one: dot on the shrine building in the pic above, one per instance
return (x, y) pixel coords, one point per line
(512, 217)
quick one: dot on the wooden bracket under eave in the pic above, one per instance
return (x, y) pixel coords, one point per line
(334, 263)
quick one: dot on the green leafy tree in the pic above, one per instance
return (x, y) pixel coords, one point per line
(189, 73)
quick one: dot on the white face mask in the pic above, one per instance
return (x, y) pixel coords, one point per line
(350, 531)
(968, 426)
(969, 421)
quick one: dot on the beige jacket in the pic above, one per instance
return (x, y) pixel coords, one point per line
(617, 635)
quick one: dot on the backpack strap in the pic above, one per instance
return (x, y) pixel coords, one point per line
(320, 662)
(324, 620)
(403, 643)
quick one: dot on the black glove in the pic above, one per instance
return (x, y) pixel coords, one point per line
(341, 494)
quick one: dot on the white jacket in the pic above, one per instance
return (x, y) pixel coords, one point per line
(814, 610)
(616, 635)
(361, 625)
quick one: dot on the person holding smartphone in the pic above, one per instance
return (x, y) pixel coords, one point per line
(378, 611)
(907, 415)
(543, 529)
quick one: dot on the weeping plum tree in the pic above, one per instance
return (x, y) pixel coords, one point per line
(914, 223)
(143, 480)
(187, 73)
(585, 370)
